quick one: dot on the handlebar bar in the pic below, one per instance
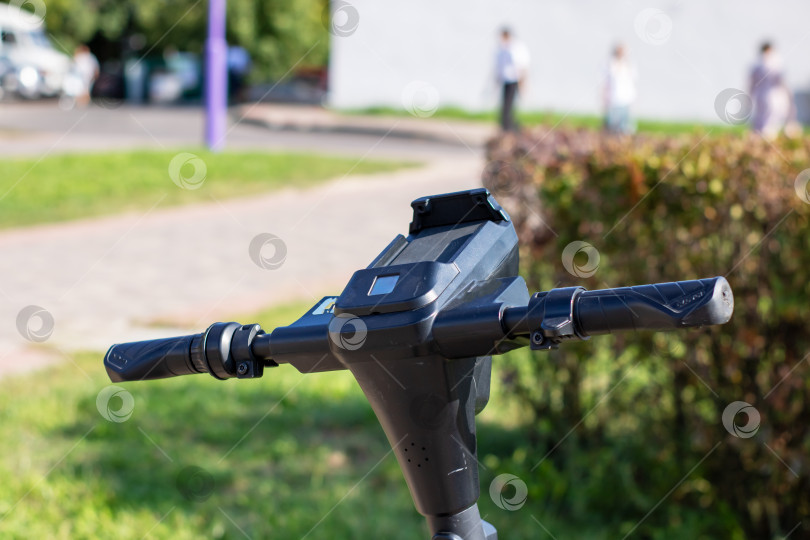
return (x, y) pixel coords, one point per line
(224, 351)
(229, 350)
(153, 359)
(574, 313)
(662, 306)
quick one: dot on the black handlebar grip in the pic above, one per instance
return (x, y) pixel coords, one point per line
(155, 359)
(661, 306)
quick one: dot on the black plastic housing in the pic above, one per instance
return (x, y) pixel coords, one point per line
(425, 402)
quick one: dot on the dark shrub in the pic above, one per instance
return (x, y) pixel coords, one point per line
(659, 208)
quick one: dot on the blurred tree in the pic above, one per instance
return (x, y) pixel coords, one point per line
(280, 36)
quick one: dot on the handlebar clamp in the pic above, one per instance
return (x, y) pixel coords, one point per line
(248, 366)
(227, 351)
(551, 314)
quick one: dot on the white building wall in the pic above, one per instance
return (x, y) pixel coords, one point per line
(686, 53)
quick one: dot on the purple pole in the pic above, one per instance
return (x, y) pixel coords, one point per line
(216, 77)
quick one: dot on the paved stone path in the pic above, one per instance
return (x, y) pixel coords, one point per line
(108, 280)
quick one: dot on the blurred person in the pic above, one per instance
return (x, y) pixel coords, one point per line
(86, 69)
(239, 65)
(619, 92)
(185, 66)
(511, 69)
(774, 109)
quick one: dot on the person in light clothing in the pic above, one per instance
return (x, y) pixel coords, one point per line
(774, 109)
(86, 68)
(619, 92)
(511, 68)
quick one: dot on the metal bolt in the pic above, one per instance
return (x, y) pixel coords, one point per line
(242, 368)
(537, 338)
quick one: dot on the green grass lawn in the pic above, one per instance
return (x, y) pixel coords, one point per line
(286, 456)
(64, 187)
(549, 118)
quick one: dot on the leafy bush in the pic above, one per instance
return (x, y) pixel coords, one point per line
(659, 208)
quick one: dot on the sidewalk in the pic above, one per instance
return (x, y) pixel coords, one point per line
(311, 118)
(39, 128)
(107, 280)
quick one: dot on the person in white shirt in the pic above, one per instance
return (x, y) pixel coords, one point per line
(86, 68)
(619, 92)
(511, 68)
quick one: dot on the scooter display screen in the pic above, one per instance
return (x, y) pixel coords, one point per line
(383, 284)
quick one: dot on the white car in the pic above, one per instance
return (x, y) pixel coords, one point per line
(34, 67)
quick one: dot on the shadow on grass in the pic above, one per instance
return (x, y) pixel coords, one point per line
(302, 456)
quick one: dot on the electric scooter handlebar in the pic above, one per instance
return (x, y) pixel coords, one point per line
(229, 350)
(662, 306)
(224, 351)
(575, 313)
(152, 359)
(417, 328)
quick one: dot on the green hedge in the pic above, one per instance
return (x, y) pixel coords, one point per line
(659, 208)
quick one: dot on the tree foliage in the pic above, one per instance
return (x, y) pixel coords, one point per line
(279, 35)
